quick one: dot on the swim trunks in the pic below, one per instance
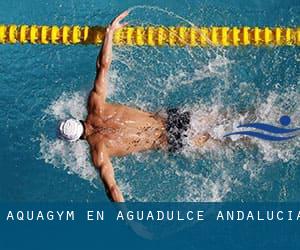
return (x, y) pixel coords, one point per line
(177, 125)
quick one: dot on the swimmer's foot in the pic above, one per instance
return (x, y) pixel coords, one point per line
(200, 140)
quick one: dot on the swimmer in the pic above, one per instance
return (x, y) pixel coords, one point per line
(114, 130)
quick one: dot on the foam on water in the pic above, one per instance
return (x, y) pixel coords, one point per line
(200, 81)
(73, 157)
(193, 186)
(218, 120)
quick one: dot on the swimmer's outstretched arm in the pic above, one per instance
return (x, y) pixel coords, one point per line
(105, 56)
(103, 164)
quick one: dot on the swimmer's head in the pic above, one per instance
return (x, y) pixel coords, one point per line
(70, 130)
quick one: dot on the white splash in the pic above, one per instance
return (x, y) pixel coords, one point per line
(72, 157)
(68, 105)
(217, 121)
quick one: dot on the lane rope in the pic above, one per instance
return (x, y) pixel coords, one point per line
(152, 35)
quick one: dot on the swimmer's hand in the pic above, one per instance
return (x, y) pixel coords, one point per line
(115, 24)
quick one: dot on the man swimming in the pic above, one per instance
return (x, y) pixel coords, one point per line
(117, 130)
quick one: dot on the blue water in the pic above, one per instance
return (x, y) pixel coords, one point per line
(42, 84)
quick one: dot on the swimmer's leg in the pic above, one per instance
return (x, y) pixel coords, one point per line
(200, 140)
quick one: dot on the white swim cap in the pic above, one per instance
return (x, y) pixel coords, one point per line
(70, 130)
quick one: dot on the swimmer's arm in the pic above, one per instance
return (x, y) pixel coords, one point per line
(103, 164)
(105, 56)
(103, 64)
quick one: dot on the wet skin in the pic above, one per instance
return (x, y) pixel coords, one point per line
(118, 130)
(123, 130)
(113, 129)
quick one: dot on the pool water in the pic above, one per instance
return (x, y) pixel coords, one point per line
(43, 84)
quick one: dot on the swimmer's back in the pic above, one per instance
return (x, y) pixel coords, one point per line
(126, 130)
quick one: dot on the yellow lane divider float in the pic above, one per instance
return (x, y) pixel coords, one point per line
(152, 36)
